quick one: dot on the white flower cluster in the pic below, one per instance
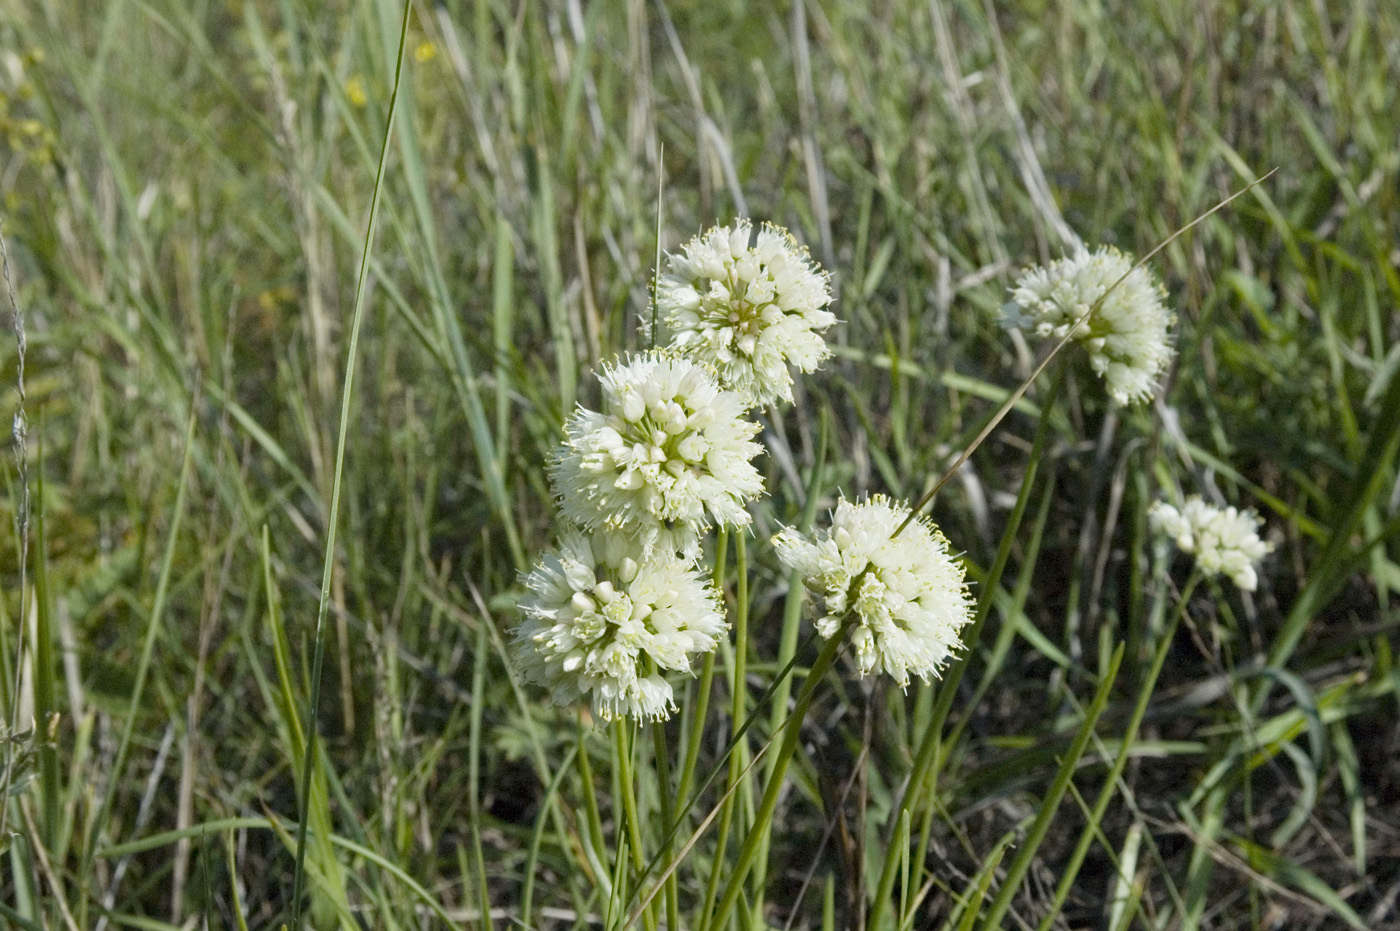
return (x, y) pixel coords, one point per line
(1126, 337)
(907, 591)
(622, 602)
(669, 451)
(602, 626)
(670, 454)
(1224, 541)
(747, 311)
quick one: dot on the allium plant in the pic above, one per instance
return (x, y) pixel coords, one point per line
(1126, 337)
(1225, 541)
(623, 601)
(748, 311)
(670, 453)
(906, 588)
(601, 626)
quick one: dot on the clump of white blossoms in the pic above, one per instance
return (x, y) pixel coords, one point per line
(907, 591)
(1224, 541)
(669, 452)
(601, 626)
(747, 311)
(1126, 338)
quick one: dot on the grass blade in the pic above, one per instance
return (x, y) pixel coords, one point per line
(333, 514)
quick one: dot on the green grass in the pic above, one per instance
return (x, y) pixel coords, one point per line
(186, 193)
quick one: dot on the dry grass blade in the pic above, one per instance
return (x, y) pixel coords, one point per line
(46, 869)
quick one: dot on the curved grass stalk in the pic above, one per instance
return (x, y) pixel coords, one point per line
(221, 825)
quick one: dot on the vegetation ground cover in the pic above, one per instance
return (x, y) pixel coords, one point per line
(186, 195)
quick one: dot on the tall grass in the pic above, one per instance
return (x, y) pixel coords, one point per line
(186, 192)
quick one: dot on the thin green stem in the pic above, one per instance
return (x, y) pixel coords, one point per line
(333, 517)
(663, 782)
(590, 797)
(627, 785)
(739, 757)
(1016, 395)
(696, 734)
(686, 806)
(702, 691)
(717, 858)
(1017, 871)
(622, 758)
(787, 644)
(740, 693)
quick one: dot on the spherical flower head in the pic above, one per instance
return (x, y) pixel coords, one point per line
(1126, 339)
(669, 453)
(907, 591)
(1225, 541)
(603, 622)
(747, 311)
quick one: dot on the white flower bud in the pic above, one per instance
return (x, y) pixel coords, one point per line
(1224, 541)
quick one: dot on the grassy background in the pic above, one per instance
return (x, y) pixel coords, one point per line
(185, 192)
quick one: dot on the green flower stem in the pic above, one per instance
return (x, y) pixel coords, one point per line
(738, 758)
(734, 887)
(787, 647)
(1081, 849)
(738, 693)
(668, 815)
(1051, 802)
(726, 816)
(590, 796)
(701, 709)
(778, 713)
(702, 693)
(687, 806)
(792, 609)
(739, 710)
(622, 759)
(696, 734)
